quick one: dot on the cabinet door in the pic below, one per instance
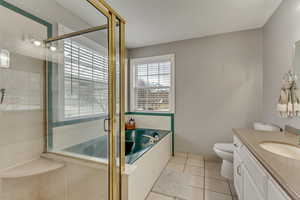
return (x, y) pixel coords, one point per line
(250, 191)
(238, 175)
(255, 170)
(275, 192)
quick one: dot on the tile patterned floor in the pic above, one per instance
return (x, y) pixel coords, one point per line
(189, 177)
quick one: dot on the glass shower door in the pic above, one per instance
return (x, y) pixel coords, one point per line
(85, 104)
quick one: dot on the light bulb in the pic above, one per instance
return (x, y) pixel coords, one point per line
(53, 48)
(4, 58)
(37, 43)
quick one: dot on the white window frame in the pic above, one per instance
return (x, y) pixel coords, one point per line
(147, 60)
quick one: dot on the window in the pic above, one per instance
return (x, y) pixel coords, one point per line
(152, 85)
(85, 76)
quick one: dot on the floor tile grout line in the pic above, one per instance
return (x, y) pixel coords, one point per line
(174, 197)
(204, 180)
(206, 189)
(232, 189)
(184, 167)
(216, 179)
(205, 168)
(231, 192)
(166, 195)
(211, 190)
(158, 179)
(203, 187)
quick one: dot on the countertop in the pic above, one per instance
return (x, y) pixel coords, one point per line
(285, 171)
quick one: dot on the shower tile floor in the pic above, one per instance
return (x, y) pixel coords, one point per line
(189, 177)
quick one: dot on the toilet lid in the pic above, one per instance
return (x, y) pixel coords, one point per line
(227, 147)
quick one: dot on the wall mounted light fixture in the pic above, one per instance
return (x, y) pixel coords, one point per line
(36, 43)
(4, 58)
(53, 48)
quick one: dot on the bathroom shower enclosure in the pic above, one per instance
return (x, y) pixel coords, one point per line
(86, 92)
(63, 107)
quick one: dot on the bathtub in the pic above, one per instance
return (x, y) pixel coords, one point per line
(144, 160)
(136, 141)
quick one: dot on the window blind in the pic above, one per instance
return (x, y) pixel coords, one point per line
(153, 86)
(85, 81)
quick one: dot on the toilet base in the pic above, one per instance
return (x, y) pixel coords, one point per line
(227, 169)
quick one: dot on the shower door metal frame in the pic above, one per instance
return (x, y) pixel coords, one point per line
(115, 170)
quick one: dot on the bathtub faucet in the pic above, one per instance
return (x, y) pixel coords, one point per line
(152, 139)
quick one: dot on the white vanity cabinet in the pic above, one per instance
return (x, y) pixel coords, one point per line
(251, 180)
(250, 188)
(275, 192)
(238, 175)
(238, 168)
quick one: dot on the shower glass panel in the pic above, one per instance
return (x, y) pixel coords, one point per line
(65, 74)
(80, 96)
(78, 100)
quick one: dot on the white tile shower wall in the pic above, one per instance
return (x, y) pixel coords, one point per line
(151, 122)
(69, 135)
(23, 90)
(22, 123)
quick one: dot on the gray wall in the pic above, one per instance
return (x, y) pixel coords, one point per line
(279, 35)
(218, 86)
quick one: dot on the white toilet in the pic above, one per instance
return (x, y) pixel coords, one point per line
(225, 152)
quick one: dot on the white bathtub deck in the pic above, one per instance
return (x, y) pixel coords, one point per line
(147, 170)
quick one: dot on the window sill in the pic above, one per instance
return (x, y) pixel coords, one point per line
(76, 121)
(154, 113)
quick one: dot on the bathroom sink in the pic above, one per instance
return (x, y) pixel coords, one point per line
(282, 149)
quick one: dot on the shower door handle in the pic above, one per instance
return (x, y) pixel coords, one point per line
(2, 90)
(106, 124)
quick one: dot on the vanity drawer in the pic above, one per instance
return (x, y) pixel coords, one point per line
(237, 144)
(256, 171)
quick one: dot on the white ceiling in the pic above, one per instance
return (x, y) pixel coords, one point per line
(152, 22)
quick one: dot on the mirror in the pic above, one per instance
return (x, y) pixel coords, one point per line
(289, 102)
(296, 60)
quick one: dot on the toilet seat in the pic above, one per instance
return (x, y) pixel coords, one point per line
(226, 147)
